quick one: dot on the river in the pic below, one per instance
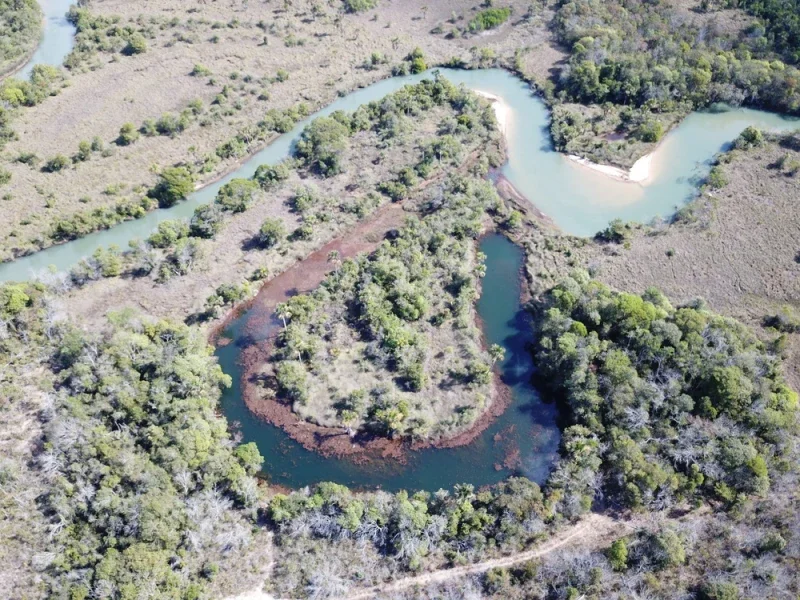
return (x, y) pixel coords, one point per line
(58, 37)
(524, 440)
(526, 434)
(580, 201)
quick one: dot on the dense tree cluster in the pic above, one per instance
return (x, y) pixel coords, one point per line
(664, 403)
(144, 478)
(411, 527)
(647, 54)
(779, 23)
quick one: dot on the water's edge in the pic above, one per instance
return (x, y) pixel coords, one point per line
(522, 440)
(580, 201)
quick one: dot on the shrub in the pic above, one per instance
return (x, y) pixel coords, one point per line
(304, 198)
(650, 131)
(200, 71)
(716, 178)
(127, 135)
(136, 45)
(168, 233)
(237, 195)
(489, 19)
(719, 591)
(417, 58)
(751, 137)
(357, 6)
(269, 175)
(617, 555)
(617, 232)
(271, 232)
(206, 221)
(322, 144)
(292, 381)
(56, 164)
(5, 176)
(175, 184)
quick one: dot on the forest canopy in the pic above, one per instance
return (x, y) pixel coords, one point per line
(664, 403)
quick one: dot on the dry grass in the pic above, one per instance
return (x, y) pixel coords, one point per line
(743, 261)
(231, 258)
(120, 89)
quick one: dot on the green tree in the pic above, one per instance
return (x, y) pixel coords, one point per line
(175, 184)
(271, 232)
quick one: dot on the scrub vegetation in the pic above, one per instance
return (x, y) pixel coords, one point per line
(676, 474)
(388, 343)
(20, 28)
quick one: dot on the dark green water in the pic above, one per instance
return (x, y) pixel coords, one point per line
(528, 425)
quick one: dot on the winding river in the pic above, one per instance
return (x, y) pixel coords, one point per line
(525, 437)
(581, 201)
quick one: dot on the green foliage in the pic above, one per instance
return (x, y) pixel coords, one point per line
(417, 59)
(417, 524)
(200, 71)
(20, 27)
(156, 455)
(237, 195)
(645, 54)
(719, 591)
(58, 163)
(137, 44)
(751, 137)
(206, 221)
(357, 6)
(268, 176)
(271, 232)
(84, 223)
(292, 381)
(650, 131)
(175, 184)
(617, 232)
(423, 272)
(654, 383)
(716, 178)
(127, 134)
(13, 299)
(168, 233)
(322, 145)
(618, 555)
(488, 19)
(787, 320)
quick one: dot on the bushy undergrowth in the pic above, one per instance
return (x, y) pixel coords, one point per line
(20, 26)
(664, 404)
(422, 283)
(646, 54)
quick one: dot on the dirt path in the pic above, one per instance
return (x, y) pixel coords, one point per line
(592, 531)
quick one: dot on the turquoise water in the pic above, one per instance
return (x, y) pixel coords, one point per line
(527, 425)
(578, 199)
(58, 37)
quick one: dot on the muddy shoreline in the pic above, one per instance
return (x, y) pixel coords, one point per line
(305, 276)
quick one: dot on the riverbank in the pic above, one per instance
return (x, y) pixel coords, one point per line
(640, 172)
(502, 110)
(23, 27)
(259, 328)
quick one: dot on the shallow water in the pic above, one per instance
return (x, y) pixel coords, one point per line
(580, 200)
(58, 37)
(528, 424)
